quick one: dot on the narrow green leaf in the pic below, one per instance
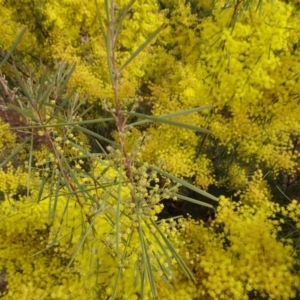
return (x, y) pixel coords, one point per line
(166, 281)
(62, 82)
(176, 114)
(177, 257)
(62, 124)
(119, 270)
(280, 190)
(106, 2)
(192, 200)
(259, 7)
(13, 47)
(184, 183)
(56, 198)
(61, 106)
(143, 279)
(118, 212)
(100, 20)
(86, 111)
(80, 244)
(43, 99)
(162, 247)
(41, 189)
(109, 57)
(23, 112)
(124, 11)
(100, 147)
(14, 152)
(43, 78)
(215, 42)
(67, 99)
(137, 274)
(121, 17)
(73, 176)
(146, 265)
(29, 96)
(170, 122)
(29, 166)
(114, 294)
(77, 107)
(100, 137)
(50, 194)
(143, 46)
(146, 262)
(59, 73)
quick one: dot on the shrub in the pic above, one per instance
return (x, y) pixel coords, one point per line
(176, 114)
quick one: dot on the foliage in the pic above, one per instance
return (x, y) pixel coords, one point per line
(191, 94)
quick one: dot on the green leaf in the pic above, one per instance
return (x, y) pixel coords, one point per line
(61, 125)
(146, 271)
(184, 183)
(283, 193)
(29, 96)
(143, 279)
(125, 253)
(116, 284)
(192, 200)
(100, 20)
(100, 137)
(44, 88)
(80, 244)
(166, 281)
(41, 189)
(143, 46)
(106, 34)
(80, 187)
(170, 122)
(177, 257)
(162, 247)
(107, 10)
(23, 112)
(82, 114)
(52, 211)
(13, 47)
(121, 17)
(14, 152)
(30, 165)
(66, 75)
(176, 114)
(118, 212)
(147, 263)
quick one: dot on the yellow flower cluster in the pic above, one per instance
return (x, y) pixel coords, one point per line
(194, 62)
(239, 254)
(7, 138)
(15, 182)
(238, 177)
(100, 236)
(203, 172)
(175, 147)
(102, 230)
(248, 72)
(256, 191)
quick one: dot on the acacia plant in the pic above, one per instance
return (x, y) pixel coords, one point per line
(90, 218)
(84, 168)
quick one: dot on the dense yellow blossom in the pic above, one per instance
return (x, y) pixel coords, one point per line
(83, 234)
(69, 31)
(50, 232)
(194, 62)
